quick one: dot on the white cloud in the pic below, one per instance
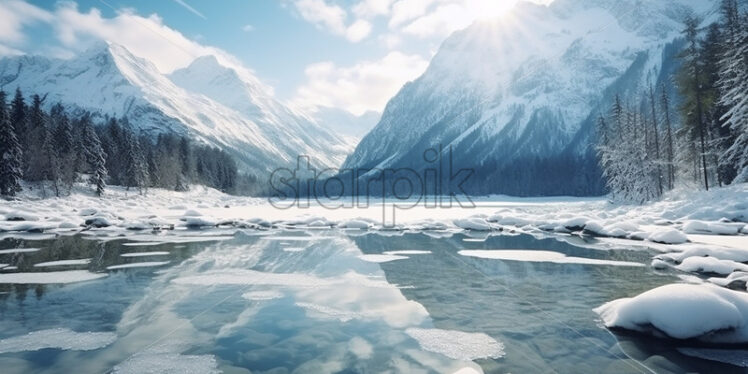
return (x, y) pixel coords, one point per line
(406, 10)
(365, 86)
(358, 31)
(9, 51)
(332, 18)
(371, 8)
(14, 15)
(146, 37)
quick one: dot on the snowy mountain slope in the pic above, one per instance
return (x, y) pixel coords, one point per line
(510, 95)
(108, 79)
(292, 132)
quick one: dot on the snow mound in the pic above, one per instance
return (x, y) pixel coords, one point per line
(59, 338)
(54, 277)
(355, 224)
(710, 265)
(668, 236)
(683, 311)
(18, 250)
(457, 345)
(407, 252)
(473, 223)
(145, 254)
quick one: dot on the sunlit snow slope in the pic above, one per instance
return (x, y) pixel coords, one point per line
(516, 97)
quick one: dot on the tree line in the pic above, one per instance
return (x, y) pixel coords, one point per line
(52, 151)
(652, 146)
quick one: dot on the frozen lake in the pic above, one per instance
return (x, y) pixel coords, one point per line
(324, 301)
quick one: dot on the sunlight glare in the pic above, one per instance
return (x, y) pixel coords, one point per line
(488, 9)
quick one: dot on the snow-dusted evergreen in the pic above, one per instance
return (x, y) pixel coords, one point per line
(10, 153)
(228, 108)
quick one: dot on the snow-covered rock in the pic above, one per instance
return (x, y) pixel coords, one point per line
(473, 223)
(710, 265)
(703, 312)
(668, 236)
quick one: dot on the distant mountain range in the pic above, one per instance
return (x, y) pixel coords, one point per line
(516, 98)
(215, 104)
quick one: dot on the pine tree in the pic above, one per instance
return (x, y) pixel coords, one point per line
(733, 85)
(656, 133)
(94, 156)
(136, 168)
(691, 86)
(18, 118)
(10, 153)
(669, 140)
(65, 145)
(50, 167)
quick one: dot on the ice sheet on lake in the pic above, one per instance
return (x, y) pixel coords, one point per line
(18, 250)
(541, 256)
(457, 345)
(407, 252)
(59, 338)
(156, 361)
(381, 258)
(138, 265)
(53, 277)
(145, 254)
(82, 261)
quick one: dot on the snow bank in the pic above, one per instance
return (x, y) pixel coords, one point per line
(59, 338)
(457, 345)
(683, 311)
(145, 254)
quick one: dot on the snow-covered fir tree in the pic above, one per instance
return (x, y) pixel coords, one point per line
(10, 153)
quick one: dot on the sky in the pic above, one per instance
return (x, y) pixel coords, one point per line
(348, 54)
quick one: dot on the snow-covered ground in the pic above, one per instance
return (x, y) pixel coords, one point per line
(694, 232)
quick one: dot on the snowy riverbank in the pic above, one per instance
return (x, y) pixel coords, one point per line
(703, 235)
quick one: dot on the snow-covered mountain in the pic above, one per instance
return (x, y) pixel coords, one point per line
(515, 97)
(208, 101)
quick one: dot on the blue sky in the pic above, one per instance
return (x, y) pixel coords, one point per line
(351, 54)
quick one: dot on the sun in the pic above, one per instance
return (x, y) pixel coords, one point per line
(488, 9)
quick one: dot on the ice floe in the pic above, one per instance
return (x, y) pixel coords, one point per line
(381, 258)
(134, 265)
(53, 277)
(704, 312)
(82, 261)
(457, 345)
(58, 338)
(18, 250)
(145, 254)
(407, 252)
(540, 256)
